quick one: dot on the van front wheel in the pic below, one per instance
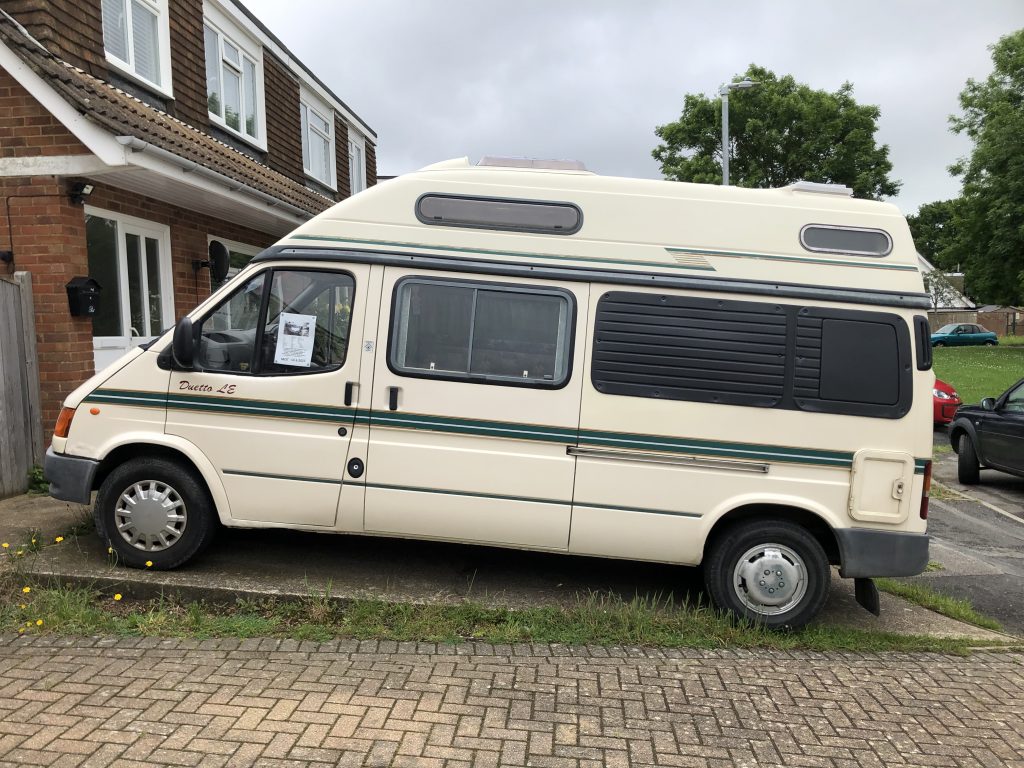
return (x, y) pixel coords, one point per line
(773, 573)
(154, 513)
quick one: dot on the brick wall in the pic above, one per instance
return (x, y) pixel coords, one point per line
(188, 63)
(27, 129)
(371, 164)
(341, 157)
(47, 235)
(284, 125)
(70, 29)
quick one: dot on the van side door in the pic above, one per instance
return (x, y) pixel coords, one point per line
(476, 401)
(276, 362)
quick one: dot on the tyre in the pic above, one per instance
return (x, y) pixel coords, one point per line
(939, 344)
(967, 468)
(154, 510)
(770, 572)
(990, 343)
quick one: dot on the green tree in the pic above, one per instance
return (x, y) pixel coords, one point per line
(989, 219)
(935, 234)
(780, 131)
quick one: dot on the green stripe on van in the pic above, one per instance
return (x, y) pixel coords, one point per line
(512, 254)
(481, 428)
(799, 259)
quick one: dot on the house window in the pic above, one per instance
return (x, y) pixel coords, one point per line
(356, 167)
(130, 259)
(137, 40)
(317, 140)
(233, 82)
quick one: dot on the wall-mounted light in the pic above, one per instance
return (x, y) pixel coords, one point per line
(79, 191)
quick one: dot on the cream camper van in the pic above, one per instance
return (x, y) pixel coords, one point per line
(529, 355)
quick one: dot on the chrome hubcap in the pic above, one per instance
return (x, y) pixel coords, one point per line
(150, 515)
(770, 579)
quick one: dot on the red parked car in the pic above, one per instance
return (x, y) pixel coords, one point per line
(946, 401)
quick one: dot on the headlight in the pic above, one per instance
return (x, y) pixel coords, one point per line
(940, 394)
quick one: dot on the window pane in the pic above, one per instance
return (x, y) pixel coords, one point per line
(308, 328)
(433, 327)
(101, 244)
(304, 119)
(115, 28)
(319, 153)
(227, 338)
(250, 98)
(868, 242)
(136, 313)
(355, 167)
(232, 99)
(551, 218)
(156, 312)
(146, 42)
(213, 93)
(318, 122)
(518, 335)
(231, 53)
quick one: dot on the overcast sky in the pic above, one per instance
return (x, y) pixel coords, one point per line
(590, 79)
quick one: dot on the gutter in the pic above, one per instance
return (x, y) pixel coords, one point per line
(190, 166)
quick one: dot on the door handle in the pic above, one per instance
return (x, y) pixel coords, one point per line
(349, 386)
(393, 398)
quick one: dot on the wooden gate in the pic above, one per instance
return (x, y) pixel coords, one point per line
(21, 427)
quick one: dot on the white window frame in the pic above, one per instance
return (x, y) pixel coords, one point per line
(326, 113)
(160, 7)
(145, 228)
(358, 172)
(226, 29)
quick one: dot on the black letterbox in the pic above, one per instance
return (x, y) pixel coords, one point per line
(83, 296)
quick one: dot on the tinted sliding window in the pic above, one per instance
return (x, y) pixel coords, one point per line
(481, 332)
(549, 218)
(853, 240)
(753, 354)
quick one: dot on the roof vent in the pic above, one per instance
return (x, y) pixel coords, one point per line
(821, 189)
(529, 162)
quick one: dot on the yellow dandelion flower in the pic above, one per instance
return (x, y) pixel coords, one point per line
(59, 539)
(110, 550)
(26, 590)
(23, 606)
(39, 622)
(149, 563)
(5, 545)
(28, 623)
(117, 596)
(21, 630)
(33, 541)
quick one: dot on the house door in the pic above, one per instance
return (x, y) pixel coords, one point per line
(476, 398)
(130, 259)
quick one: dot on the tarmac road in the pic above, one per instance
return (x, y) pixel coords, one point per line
(978, 538)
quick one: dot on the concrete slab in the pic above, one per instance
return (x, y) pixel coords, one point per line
(289, 564)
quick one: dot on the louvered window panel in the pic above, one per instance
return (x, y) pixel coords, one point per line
(685, 348)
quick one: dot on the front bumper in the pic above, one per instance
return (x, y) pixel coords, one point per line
(70, 477)
(868, 553)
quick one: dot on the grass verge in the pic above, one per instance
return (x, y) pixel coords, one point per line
(595, 619)
(955, 608)
(978, 372)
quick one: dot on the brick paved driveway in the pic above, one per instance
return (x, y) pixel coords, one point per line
(107, 701)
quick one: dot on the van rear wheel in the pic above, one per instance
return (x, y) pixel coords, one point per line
(154, 511)
(773, 573)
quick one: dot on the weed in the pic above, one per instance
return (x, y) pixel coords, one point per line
(955, 608)
(37, 482)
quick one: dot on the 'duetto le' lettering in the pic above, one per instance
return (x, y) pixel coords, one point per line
(187, 385)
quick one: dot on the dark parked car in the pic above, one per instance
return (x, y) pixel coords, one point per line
(990, 435)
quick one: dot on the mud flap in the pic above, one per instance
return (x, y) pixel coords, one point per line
(867, 595)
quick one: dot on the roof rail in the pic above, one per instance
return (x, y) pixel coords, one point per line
(821, 189)
(530, 162)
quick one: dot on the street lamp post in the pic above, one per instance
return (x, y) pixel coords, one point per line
(746, 82)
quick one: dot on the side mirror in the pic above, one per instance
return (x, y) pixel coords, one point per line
(220, 261)
(183, 344)
(989, 404)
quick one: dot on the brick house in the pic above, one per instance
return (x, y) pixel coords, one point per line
(135, 132)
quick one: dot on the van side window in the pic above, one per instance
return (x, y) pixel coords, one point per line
(550, 218)
(860, 241)
(753, 353)
(288, 321)
(492, 334)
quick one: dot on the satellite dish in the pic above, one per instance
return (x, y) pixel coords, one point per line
(220, 261)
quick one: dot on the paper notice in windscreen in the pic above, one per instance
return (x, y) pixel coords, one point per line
(295, 339)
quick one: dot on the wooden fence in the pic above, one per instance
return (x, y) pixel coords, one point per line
(1002, 323)
(21, 427)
